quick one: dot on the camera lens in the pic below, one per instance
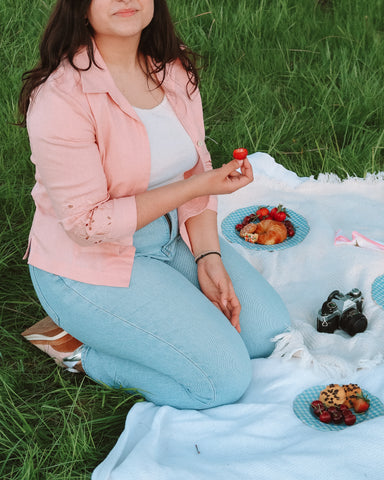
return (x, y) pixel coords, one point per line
(352, 322)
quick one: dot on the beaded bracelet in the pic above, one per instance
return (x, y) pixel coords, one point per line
(202, 255)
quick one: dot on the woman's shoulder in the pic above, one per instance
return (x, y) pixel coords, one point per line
(175, 70)
(66, 77)
(63, 88)
(177, 78)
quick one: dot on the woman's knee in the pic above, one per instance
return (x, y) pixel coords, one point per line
(228, 383)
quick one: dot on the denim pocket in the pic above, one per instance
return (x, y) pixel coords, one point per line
(150, 239)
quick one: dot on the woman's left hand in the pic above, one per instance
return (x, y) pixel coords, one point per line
(217, 287)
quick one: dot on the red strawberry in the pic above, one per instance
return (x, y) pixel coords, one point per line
(325, 417)
(273, 212)
(240, 153)
(279, 213)
(360, 403)
(280, 216)
(262, 213)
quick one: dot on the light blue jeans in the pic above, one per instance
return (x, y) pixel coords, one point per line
(161, 335)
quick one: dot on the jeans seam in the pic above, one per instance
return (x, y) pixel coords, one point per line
(41, 295)
(148, 333)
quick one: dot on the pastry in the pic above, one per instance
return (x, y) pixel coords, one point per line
(351, 392)
(270, 232)
(333, 395)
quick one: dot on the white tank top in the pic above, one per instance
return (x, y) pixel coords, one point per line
(172, 150)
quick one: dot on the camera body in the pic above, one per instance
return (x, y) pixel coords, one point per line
(343, 312)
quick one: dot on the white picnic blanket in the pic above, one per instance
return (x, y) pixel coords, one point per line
(306, 274)
(260, 437)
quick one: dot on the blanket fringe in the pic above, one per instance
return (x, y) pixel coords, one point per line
(291, 346)
(371, 362)
(333, 178)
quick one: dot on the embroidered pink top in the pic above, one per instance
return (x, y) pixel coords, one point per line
(92, 156)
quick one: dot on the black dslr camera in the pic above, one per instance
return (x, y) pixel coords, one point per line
(342, 311)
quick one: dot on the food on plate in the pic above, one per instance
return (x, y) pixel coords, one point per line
(336, 401)
(351, 391)
(290, 228)
(240, 153)
(248, 228)
(248, 233)
(337, 415)
(325, 417)
(356, 398)
(262, 213)
(270, 232)
(318, 407)
(360, 403)
(251, 237)
(334, 414)
(278, 213)
(349, 417)
(333, 395)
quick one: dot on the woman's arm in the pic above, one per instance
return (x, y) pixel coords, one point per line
(154, 203)
(213, 278)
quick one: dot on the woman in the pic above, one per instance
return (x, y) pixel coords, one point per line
(124, 252)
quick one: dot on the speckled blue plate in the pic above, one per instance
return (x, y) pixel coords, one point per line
(232, 235)
(303, 410)
(378, 290)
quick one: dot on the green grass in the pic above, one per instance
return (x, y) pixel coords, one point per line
(300, 81)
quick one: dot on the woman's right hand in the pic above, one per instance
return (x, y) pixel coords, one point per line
(226, 179)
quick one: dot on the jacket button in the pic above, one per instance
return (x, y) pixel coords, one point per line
(200, 143)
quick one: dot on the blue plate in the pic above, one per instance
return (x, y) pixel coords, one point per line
(303, 410)
(378, 290)
(232, 235)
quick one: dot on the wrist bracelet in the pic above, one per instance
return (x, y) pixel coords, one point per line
(202, 255)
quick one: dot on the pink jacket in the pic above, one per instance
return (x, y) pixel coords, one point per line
(92, 156)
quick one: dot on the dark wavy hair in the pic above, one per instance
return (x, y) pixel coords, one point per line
(67, 31)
